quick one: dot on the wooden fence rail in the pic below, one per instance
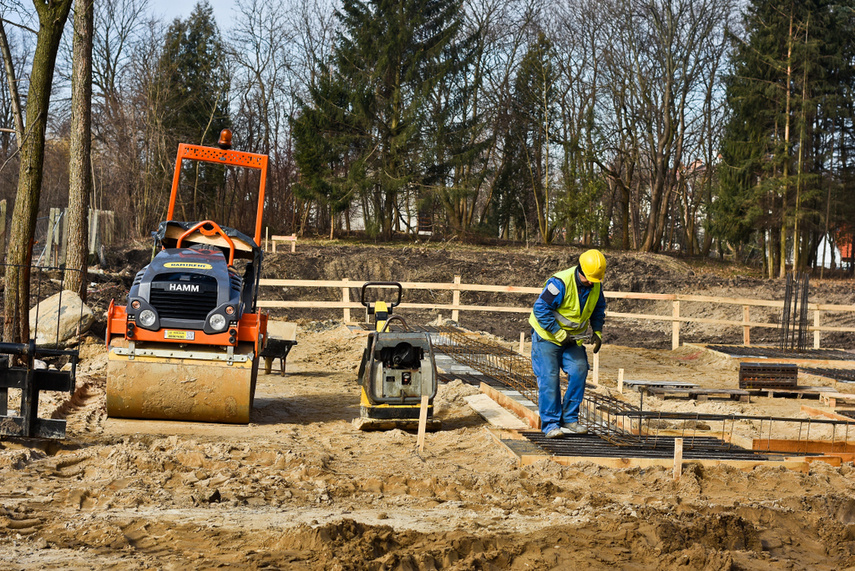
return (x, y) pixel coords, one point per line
(456, 287)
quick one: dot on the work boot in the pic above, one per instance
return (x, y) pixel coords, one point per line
(573, 428)
(555, 433)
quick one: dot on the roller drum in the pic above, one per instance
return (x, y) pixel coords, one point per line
(175, 388)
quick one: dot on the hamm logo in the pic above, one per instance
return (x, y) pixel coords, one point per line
(187, 266)
(190, 288)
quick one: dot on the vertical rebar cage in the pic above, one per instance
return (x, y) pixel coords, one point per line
(794, 317)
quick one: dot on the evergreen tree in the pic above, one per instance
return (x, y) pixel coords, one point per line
(382, 113)
(196, 82)
(322, 139)
(786, 92)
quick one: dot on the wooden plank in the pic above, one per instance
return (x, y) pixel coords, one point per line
(798, 465)
(678, 459)
(637, 383)
(826, 413)
(292, 238)
(423, 410)
(489, 288)
(803, 446)
(831, 399)
(495, 414)
(522, 411)
(503, 439)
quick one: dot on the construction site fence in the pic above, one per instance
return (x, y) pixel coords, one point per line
(456, 287)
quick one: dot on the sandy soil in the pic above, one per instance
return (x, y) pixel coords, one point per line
(301, 488)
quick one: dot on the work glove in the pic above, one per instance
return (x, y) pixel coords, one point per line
(597, 340)
(561, 336)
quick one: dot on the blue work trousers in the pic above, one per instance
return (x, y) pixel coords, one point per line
(547, 359)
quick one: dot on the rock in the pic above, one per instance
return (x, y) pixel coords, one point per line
(68, 310)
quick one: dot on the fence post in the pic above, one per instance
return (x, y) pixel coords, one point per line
(63, 252)
(455, 301)
(675, 326)
(48, 246)
(746, 329)
(345, 298)
(816, 328)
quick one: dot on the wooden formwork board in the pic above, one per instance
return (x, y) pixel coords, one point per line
(527, 453)
(527, 414)
(827, 413)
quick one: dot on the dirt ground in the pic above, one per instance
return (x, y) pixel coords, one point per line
(301, 488)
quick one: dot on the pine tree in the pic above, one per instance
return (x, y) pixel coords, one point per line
(394, 130)
(196, 109)
(785, 93)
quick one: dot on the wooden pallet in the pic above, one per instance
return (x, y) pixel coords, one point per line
(698, 393)
(641, 386)
(793, 393)
(832, 399)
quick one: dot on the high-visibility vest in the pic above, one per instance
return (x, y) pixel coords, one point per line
(570, 316)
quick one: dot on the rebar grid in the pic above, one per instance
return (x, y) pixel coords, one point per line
(626, 425)
(506, 366)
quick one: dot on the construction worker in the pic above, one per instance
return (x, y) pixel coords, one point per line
(570, 300)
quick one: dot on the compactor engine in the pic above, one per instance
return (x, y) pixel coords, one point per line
(396, 371)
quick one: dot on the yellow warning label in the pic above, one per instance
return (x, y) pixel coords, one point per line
(187, 265)
(176, 334)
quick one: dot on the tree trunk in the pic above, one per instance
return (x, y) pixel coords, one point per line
(80, 163)
(52, 17)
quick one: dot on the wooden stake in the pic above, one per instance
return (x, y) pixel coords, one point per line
(678, 458)
(620, 381)
(420, 441)
(345, 299)
(675, 326)
(596, 369)
(455, 300)
(522, 343)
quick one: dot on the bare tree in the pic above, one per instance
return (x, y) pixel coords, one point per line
(80, 163)
(52, 17)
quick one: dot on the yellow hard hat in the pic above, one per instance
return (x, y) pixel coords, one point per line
(593, 265)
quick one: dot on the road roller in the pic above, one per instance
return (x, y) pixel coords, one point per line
(185, 345)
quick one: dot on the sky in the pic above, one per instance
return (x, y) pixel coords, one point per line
(171, 9)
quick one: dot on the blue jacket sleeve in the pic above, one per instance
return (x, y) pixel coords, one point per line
(598, 318)
(548, 301)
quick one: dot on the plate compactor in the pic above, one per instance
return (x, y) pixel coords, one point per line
(397, 369)
(186, 344)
